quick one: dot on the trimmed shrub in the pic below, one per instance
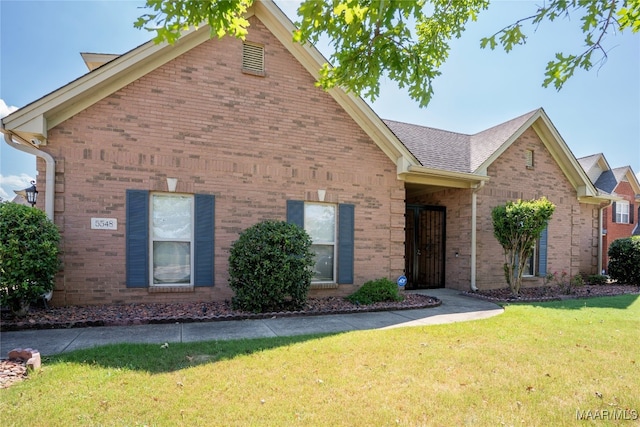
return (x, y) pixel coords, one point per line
(597, 279)
(270, 267)
(28, 256)
(375, 291)
(624, 260)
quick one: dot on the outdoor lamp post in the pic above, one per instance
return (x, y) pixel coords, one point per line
(31, 193)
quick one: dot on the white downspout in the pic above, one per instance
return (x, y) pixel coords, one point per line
(600, 230)
(50, 170)
(474, 213)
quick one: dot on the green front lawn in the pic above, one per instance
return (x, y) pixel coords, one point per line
(537, 364)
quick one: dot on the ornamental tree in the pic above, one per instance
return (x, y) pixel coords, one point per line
(404, 41)
(28, 255)
(517, 226)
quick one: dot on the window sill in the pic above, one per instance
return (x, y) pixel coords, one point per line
(170, 289)
(324, 286)
(254, 72)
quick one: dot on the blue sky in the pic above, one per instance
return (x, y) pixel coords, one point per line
(596, 111)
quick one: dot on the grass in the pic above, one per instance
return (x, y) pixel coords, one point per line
(534, 365)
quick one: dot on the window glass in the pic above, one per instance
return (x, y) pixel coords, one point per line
(320, 224)
(528, 266)
(622, 212)
(323, 270)
(171, 239)
(171, 262)
(172, 217)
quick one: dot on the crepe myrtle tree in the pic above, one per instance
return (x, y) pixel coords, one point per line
(406, 41)
(517, 226)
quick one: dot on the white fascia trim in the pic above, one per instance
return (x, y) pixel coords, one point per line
(429, 176)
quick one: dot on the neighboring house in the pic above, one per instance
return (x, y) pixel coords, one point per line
(154, 162)
(620, 216)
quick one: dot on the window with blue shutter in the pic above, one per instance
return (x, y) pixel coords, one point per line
(169, 239)
(137, 239)
(204, 239)
(333, 244)
(345, 243)
(542, 252)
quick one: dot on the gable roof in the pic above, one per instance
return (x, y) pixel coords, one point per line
(588, 162)
(605, 179)
(32, 122)
(459, 152)
(472, 154)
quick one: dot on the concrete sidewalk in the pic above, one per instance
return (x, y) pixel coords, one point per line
(454, 308)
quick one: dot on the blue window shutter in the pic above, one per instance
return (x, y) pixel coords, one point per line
(542, 252)
(613, 212)
(631, 212)
(295, 212)
(204, 248)
(137, 239)
(345, 243)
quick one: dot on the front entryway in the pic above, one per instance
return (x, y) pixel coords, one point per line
(425, 234)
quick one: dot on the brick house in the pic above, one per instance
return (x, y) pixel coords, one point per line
(620, 216)
(524, 158)
(153, 163)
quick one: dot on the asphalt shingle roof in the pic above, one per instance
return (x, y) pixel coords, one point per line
(451, 151)
(587, 162)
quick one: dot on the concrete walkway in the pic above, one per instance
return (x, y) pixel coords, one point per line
(454, 308)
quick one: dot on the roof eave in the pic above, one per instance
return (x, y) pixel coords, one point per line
(441, 178)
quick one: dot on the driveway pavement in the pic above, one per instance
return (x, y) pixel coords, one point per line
(454, 308)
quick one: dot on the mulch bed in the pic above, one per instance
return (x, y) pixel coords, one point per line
(554, 293)
(139, 313)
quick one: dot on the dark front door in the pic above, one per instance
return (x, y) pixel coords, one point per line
(424, 246)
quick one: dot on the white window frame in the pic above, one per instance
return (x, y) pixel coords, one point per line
(153, 239)
(622, 212)
(333, 243)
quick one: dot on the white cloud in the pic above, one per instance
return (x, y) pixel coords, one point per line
(13, 182)
(6, 110)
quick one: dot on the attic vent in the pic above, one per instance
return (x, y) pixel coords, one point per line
(529, 159)
(253, 58)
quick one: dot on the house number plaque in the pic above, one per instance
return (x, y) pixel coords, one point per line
(104, 224)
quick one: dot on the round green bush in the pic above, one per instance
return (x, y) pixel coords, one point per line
(28, 255)
(624, 260)
(270, 267)
(376, 291)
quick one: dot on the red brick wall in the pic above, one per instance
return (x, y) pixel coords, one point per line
(618, 230)
(254, 142)
(511, 180)
(589, 239)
